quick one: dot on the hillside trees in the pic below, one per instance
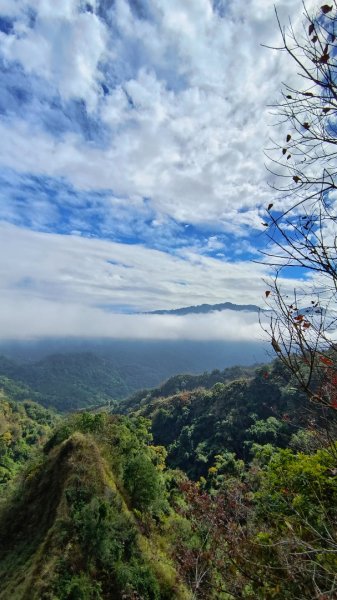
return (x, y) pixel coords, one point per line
(303, 233)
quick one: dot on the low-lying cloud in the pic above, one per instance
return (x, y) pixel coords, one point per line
(45, 318)
(57, 285)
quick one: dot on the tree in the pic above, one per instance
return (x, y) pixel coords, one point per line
(303, 236)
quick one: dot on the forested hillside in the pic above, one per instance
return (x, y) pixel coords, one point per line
(195, 425)
(99, 515)
(184, 382)
(141, 363)
(90, 531)
(68, 381)
(24, 428)
(132, 178)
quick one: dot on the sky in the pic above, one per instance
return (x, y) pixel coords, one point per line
(132, 165)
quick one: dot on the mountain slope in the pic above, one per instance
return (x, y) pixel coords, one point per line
(184, 382)
(69, 531)
(68, 381)
(135, 364)
(196, 425)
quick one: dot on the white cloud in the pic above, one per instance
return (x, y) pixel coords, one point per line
(64, 47)
(54, 285)
(185, 123)
(188, 117)
(47, 318)
(100, 272)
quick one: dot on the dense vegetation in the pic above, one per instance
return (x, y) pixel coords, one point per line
(101, 511)
(82, 380)
(24, 427)
(82, 522)
(139, 363)
(216, 487)
(68, 381)
(184, 382)
(195, 425)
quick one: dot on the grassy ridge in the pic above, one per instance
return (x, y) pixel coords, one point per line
(71, 530)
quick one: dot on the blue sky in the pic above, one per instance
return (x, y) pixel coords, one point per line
(132, 169)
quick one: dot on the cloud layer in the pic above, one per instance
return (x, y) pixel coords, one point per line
(131, 158)
(59, 285)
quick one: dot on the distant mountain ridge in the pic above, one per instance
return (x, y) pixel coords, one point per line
(208, 308)
(65, 381)
(70, 376)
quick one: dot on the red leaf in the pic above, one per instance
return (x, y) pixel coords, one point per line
(326, 361)
(284, 150)
(311, 28)
(306, 125)
(296, 178)
(267, 292)
(288, 137)
(270, 206)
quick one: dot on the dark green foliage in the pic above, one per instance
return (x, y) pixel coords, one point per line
(133, 460)
(98, 516)
(185, 382)
(197, 425)
(103, 529)
(76, 380)
(67, 381)
(78, 587)
(24, 427)
(142, 482)
(107, 536)
(16, 390)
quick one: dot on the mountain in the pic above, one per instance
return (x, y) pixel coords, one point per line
(72, 375)
(69, 381)
(196, 418)
(96, 514)
(208, 308)
(182, 383)
(81, 523)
